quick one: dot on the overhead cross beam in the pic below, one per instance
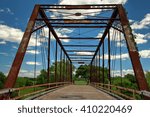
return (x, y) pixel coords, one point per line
(78, 20)
(80, 45)
(80, 51)
(84, 7)
(79, 38)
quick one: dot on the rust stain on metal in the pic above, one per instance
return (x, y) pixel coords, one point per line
(76, 21)
(78, 7)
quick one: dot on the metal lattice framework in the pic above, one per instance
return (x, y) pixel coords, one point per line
(117, 20)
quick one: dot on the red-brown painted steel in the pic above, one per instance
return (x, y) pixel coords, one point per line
(14, 70)
(133, 52)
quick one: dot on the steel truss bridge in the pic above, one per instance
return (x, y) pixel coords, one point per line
(78, 17)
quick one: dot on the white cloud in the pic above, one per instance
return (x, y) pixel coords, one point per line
(81, 2)
(33, 63)
(2, 42)
(7, 66)
(12, 34)
(60, 33)
(9, 11)
(121, 44)
(125, 56)
(4, 54)
(115, 57)
(84, 53)
(28, 73)
(144, 23)
(15, 47)
(99, 35)
(6, 10)
(140, 38)
(145, 53)
(124, 72)
(147, 35)
(32, 52)
(131, 21)
(2, 10)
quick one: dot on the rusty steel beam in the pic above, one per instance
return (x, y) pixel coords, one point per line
(77, 57)
(85, 26)
(43, 15)
(38, 28)
(133, 52)
(117, 29)
(14, 70)
(81, 20)
(82, 7)
(114, 15)
(80, 51)
(80, 55)
(80, 45)
(54, 23)
(79, 60)
(79, 38)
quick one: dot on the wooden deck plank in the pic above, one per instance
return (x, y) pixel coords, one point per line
(76, 92)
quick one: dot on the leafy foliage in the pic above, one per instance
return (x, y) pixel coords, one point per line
(2, 79)
(83, 71)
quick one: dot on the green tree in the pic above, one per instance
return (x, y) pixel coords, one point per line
(147, 74)
(28, 82)
(41, 79)
(130, 77)
(2, 79)
(83, 71)
(148, 77)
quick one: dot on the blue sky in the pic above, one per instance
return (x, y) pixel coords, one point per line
(14, 16)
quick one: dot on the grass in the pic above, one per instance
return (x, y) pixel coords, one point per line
(26, 91)
(82, 82)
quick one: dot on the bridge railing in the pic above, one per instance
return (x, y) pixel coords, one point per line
(126, 93)
(23, 92)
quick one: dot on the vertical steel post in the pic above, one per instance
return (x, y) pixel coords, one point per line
(71, 71)
(99, 66)
(64, 67)
(96, 68)
(48, 59)
(66, 70)
(103, 64)
(94, 71)
(56, 63)
(14, 70)
(61, 65)
(91, 72)
(109, 59)
(133, 52)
